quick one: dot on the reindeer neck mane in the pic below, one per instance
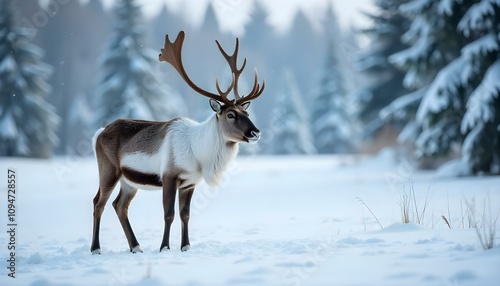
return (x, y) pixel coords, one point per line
(212, 151)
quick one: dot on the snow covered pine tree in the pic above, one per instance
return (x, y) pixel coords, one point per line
(332, 116)
(384, 80)
(130, 87)
(289, 121)
(454, 61)
(433, 42)
(27, 121)
(481, 122)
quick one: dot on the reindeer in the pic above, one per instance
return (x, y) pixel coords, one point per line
(172, 155)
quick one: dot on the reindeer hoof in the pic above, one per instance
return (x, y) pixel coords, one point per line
(164, 249)
(185, 248)
(136, 249)
(96, 251)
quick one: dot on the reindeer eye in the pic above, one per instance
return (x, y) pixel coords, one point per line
(230, 115)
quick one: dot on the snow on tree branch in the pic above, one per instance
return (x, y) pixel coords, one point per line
(479, 105)
(442, 93)
(477, 17)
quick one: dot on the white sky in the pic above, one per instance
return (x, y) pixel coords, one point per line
(234, 14)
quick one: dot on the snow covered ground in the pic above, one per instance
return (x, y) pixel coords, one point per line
(274, 221)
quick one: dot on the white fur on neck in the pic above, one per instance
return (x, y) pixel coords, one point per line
(212, 151)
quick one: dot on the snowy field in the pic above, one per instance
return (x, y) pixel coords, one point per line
(274, 221)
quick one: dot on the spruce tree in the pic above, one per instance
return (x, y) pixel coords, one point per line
(130, 86)
(300, 49)
(454, 61)
(481, 122)
(289, 128)
(432, 112)
(332, 115)
(384, 80)
(72, 48)
(27, 121)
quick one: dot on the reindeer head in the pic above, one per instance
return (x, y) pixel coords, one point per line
(232, 114)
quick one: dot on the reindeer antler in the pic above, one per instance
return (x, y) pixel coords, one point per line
(233, 64)
(172, 53)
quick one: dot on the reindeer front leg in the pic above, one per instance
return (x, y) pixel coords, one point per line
(169, 190)
(185, 195)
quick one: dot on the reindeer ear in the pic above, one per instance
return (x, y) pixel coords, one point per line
(246, 105)
(216, 106)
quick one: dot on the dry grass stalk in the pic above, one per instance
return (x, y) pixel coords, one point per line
(446, 221)
(374, 216)
(412, 209)
(486, 230)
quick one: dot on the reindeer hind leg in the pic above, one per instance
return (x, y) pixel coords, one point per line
(121, 204)
(107, 182)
